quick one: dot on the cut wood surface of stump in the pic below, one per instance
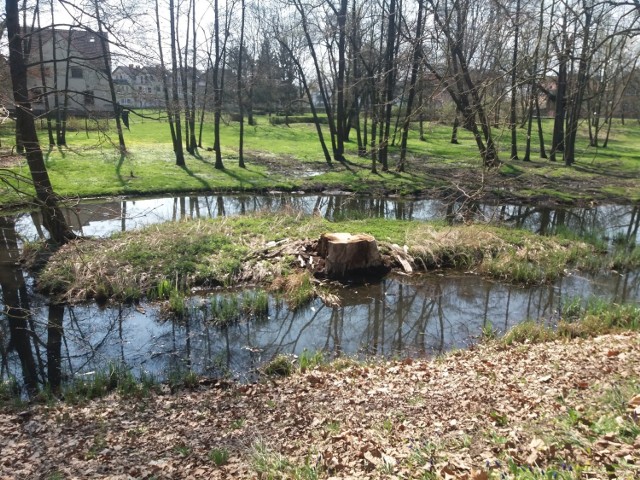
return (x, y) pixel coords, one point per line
(345, 253)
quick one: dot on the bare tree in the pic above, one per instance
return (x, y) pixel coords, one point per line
(239, 88)
(53, 218)
(455, 22)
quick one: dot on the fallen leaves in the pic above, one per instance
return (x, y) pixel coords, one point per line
(461, 418)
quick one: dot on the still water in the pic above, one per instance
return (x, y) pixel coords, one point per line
(400, 316)
(102, 219)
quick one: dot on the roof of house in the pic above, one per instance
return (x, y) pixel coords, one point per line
(84, 45)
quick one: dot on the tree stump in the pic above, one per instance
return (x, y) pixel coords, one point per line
(347, 254)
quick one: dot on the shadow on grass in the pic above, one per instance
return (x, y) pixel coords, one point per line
(197, 156)
(240, 180)
(202, 182)
(605, 171)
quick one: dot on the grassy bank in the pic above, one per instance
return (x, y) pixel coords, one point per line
(560, 409)
(289, 158)
(265, 249)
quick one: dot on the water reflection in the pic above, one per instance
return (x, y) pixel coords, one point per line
(399, 316)
(620, 222)
(19, 327)
(404, 316)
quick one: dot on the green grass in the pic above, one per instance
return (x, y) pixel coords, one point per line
(309, 360)
(102, 382)
(224, 310)
(164, 261)
(591, 318)
(219, 456)
(278, 157)
(280, 366)
(271, 465)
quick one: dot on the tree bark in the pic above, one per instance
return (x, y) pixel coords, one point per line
(389, 82)
(112, 88)
(175, 98)
(175, 139)
(239, 88)
(415, 68)
(514, 76)
(47, 200)
(345, 253)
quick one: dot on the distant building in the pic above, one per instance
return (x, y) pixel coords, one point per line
(139, 87)
(68, 65)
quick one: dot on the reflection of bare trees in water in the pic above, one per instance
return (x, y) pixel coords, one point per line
(54, 347)
(37, 340)
(419, 315)
(620, 222)
(17, 311)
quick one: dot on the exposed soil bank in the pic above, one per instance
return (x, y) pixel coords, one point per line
(565, 408)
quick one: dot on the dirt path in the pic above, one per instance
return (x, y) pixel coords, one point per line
(565, 408)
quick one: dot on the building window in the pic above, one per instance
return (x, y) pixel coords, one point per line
(89, 99)
(76, 72)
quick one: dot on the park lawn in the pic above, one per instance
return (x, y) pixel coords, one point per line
(281, 157)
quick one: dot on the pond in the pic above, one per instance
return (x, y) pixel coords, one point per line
(400, 316)
(104, 218)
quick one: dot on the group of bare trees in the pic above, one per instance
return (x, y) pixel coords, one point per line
(369, 69)
(365, 69)
(372, 68)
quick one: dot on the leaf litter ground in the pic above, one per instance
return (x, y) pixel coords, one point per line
(551, 410)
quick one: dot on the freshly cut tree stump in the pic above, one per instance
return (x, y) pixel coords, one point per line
(347, 254)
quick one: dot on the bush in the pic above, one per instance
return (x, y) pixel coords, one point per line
(280, 366)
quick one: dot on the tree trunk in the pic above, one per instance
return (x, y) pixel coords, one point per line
(61, 116)
(193, 144)
(112, 88)
(175, 98)
(514, 76)
(340, 84)
(239, 88)
(305, 85)
(557, 141)
(183, 66)
(53, 218)
(321, 84)
(217, 90)
(533, 99)
(389, 82)
(175, 139)
(43, 79)
(415, 68)
(454, 131)
(349, 254)
(581, 85)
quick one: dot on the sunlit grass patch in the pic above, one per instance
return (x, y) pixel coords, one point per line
(164, 261)
(578, 319)
(284, 157)
(269, 464)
